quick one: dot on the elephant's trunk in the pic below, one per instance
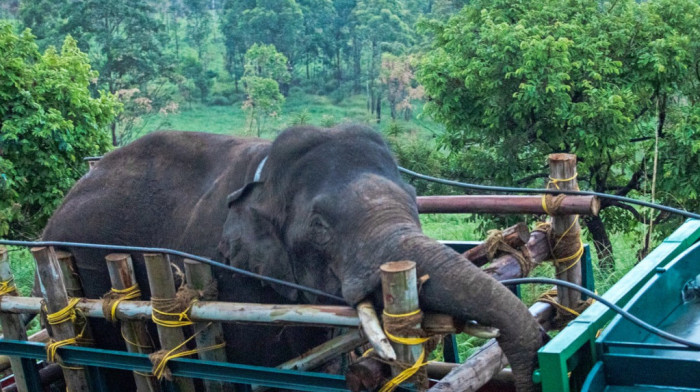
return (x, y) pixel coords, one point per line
(459, 288)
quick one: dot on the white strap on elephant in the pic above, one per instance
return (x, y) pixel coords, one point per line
(259, 170)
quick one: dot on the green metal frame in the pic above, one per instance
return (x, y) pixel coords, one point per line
(181, 367)
(568, 358)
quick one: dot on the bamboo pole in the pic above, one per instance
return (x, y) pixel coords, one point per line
(563, 167)
(162, 284)
(400, 294)
(70, 275)
(476, 371)
(505, 204)
(374, 332)
(135, 333)
(235, 312)
(515, 236)
(71, 279)
(12, 327)
(318, 356)
(54, 291)
(199, 276)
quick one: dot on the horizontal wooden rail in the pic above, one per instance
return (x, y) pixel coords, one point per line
(499, 204)
(209, 311)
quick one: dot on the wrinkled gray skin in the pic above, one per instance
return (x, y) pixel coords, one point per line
(329, 210)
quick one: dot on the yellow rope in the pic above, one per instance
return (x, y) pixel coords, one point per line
(415, 312)
(556, 181)
(544, 205)
(7, 287)
(132, 292)
(159, 368)
(183, 319)
(420, 362)
(405, 375)
(548, 297)
(66, 314)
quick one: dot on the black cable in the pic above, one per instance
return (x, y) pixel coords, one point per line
(174, 253)
(505, 189)
(635, 320)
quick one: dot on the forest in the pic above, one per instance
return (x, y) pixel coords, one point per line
(472, 90)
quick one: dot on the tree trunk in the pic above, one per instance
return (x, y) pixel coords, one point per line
(379, 108)
(602, 243)
(114, 133)
(357, 66)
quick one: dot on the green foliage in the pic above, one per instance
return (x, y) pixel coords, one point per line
(48, 123)
(264, 100)
(265, 61)
(513, 82)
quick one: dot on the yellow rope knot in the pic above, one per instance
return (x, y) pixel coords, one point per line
(420, 362)
(67, 314)
(160, 358)
(7, 287)
(181, 319)
(115, 296)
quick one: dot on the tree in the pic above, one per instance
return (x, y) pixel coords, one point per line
(318, 40)
(124, 39)
(198, 24)
(398, 78)
(48, 123)
(237, 39)
(513, 82)
(264, 67)
(380, 23)
(276, 22)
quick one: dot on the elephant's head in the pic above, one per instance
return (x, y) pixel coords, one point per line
(330, 208)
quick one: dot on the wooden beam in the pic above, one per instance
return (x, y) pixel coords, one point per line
(562, 168)
(54, 291)
(499, 204)
(515, 236)
(162, 284)
(12, 327)
(135, 332)
(400, 295)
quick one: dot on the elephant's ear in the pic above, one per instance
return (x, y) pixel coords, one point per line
(252, 241)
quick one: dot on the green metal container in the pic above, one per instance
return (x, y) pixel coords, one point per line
(625, 358)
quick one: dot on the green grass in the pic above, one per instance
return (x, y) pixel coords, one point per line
(231, 120)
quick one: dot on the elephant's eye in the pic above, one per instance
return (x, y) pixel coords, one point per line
(319, 230)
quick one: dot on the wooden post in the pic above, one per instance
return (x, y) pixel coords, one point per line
(54, 291)
(12, 327)
(199, 277)
(400, 294)
(162, 284)
(70, 274)
(563, 167)
(74, 287)
(121, 274)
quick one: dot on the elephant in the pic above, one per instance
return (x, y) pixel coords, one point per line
(323, 208)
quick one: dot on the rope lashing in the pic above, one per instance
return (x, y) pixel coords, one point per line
(7, 287)
(494, 243)
(174, 312)
(116, 296)
(160, 358)
(67, 314)
(179, 319)
(404, 323)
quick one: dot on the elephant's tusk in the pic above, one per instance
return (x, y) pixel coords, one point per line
(481, 331)
(374, 332)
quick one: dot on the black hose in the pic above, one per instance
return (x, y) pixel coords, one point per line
(175, 253)
(505, 189)
(634, 319)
